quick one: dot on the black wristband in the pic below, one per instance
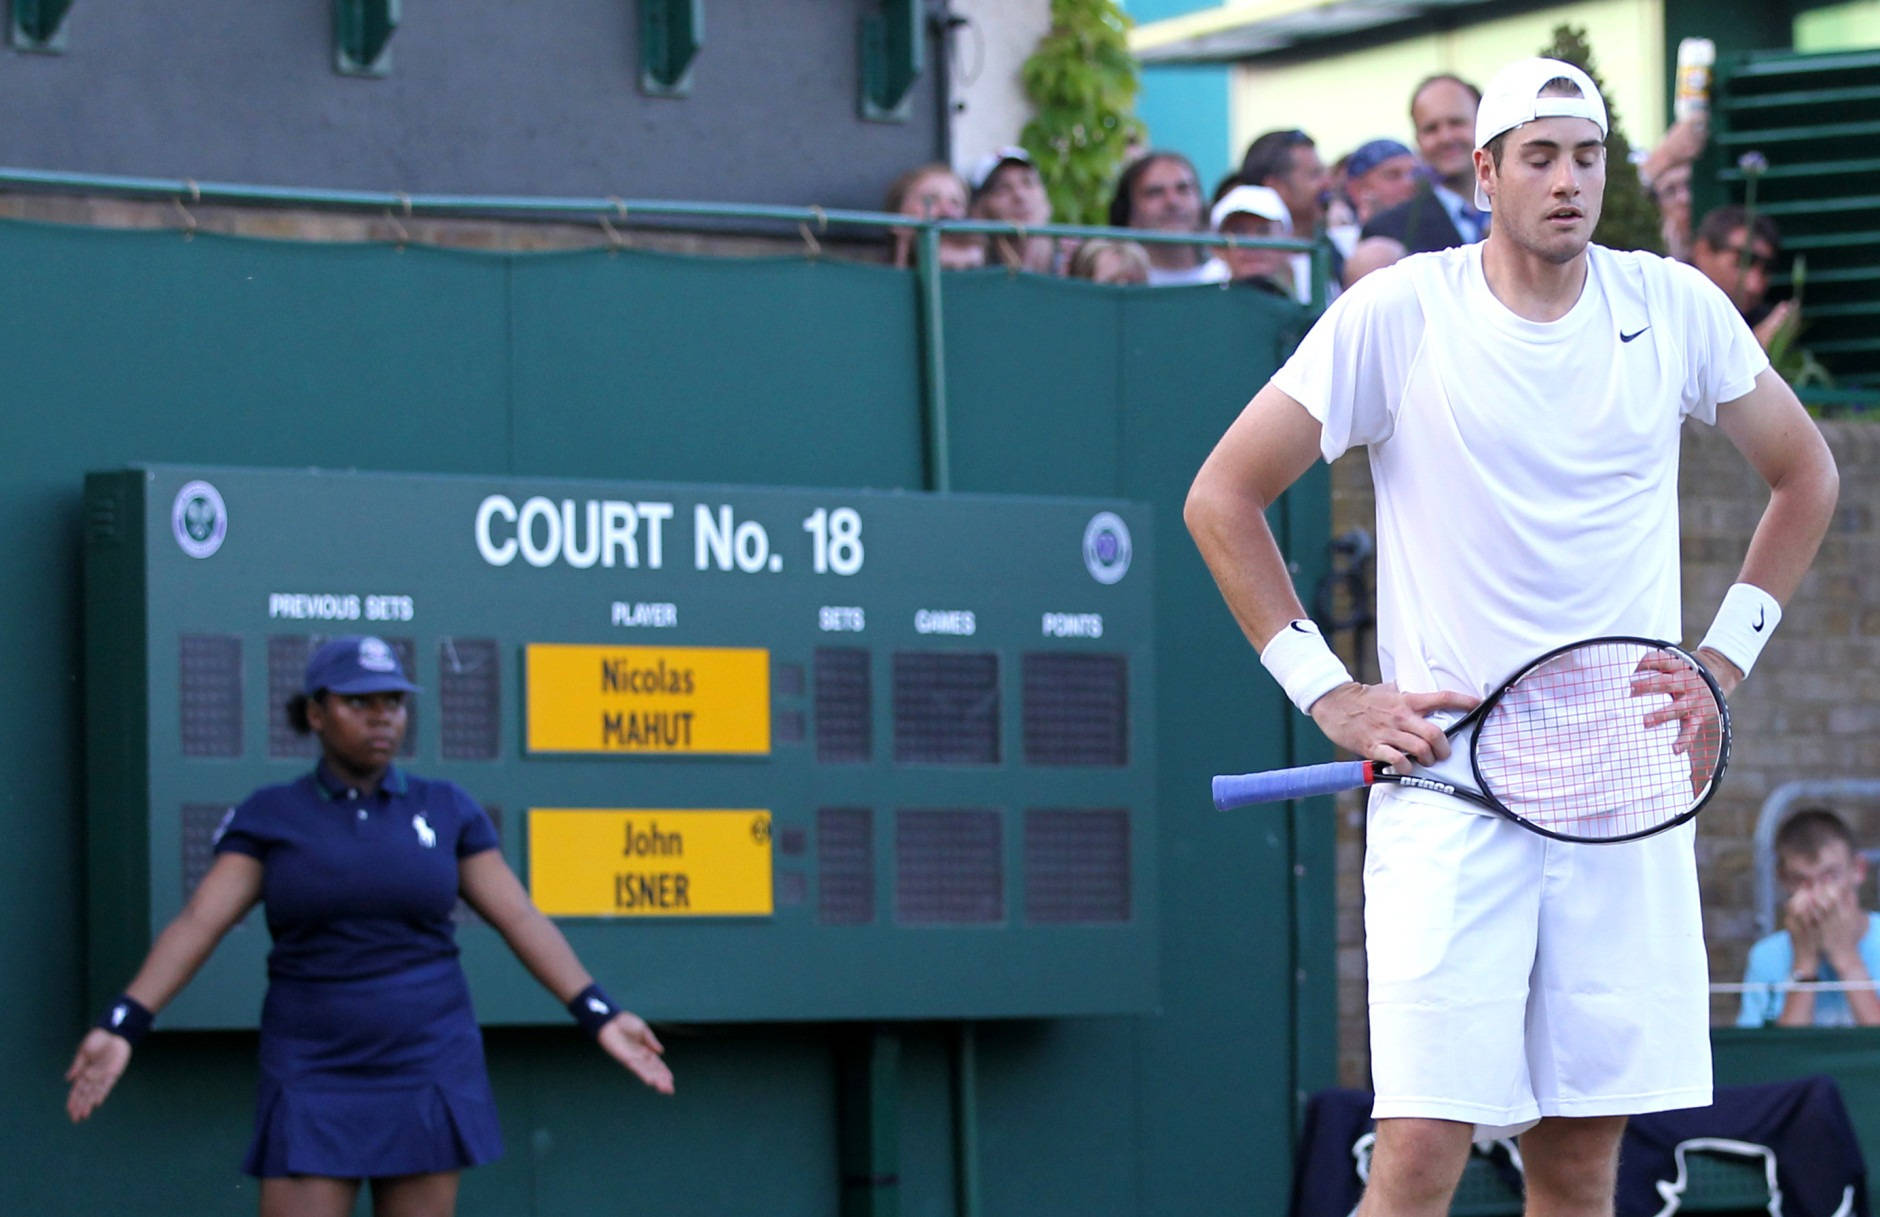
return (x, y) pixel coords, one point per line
(127, 1017)
(593, 1009)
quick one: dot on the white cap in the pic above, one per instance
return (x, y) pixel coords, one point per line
(987, 165)
(1513, 97)
(1262, 201)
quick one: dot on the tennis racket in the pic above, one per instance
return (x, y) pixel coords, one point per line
(1610, 739)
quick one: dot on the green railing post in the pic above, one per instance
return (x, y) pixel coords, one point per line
(868, 1096)
(966, 1122)
(933, 360)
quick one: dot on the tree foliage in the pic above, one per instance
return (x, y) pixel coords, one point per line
(1082, 82)
(1630, 218)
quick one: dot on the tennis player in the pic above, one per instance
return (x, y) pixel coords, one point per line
(1521, 401)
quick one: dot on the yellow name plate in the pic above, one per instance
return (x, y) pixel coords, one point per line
(662, 700)
(650, 862)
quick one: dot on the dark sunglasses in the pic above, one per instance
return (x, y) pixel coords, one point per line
(1749, 259)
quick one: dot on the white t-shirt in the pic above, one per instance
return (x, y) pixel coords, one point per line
(1213, 270)
(1526, 473)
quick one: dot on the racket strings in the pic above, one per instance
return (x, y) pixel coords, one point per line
(1567, 747)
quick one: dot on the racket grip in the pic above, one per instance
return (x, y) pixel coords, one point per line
(1233, 790)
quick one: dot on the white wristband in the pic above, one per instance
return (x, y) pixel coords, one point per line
(1743, 624)
(1302, 664)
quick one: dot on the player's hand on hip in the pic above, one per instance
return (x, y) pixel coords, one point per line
(96, 1068)
(1691, 705)
(1384, 724)
(628, 1039)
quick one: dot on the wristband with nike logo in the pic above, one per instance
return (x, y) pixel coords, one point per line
(1303, 664)
(1744, 622)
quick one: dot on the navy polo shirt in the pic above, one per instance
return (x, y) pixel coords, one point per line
(358, 885)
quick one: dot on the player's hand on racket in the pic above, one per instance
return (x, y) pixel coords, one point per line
(1691, 706)
(1384, 724)
(100, 1062)
(628, 1039)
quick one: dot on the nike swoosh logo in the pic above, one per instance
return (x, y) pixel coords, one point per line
(1301, 626)
(1625, 337)
(1762, 616)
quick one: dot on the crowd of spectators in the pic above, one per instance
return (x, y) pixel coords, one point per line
(1374, 205)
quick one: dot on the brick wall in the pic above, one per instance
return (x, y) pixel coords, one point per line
(1810, 711)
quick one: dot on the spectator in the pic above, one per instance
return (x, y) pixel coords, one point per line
(934, 192)
(1104, 261)
(1671, 190)
(1006, 186)
(1826, 935)
(1666, 174)
(1379, 175)
(1160, 192)
(1255, 211)
(1288, 162)
(1737, 254)
(1441, 212)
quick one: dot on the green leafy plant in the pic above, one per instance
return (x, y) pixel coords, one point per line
(1792, 361)
(1629, 219)
(1082, 82)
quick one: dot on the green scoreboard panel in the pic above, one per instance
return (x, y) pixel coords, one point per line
(763, 754)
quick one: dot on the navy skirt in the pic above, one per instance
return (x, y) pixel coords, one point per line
(370, 1078)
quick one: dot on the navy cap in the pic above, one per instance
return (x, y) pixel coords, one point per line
(356, 664)
(1369, 156)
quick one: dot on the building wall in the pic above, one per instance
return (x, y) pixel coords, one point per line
(1185, 106)
(1809, 711)
(1346, 98)
(482, 97)
(1839, 27)
(988, 51)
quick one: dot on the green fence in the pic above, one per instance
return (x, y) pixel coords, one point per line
(149, 347)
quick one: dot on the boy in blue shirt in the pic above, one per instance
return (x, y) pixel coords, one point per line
(1827, 936)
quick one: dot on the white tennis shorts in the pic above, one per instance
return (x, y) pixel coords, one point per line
(1514, 977)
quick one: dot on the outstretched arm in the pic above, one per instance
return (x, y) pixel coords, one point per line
(229, 889)
(1774, 433)
(494, 892)
(1267, 448)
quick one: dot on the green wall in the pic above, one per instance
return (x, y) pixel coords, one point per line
(128, 347)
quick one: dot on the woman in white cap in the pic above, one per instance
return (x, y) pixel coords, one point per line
(1006, 186)
(371, 1060)
(1255, 211)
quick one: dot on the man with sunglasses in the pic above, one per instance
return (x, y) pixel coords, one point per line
(1738, 254)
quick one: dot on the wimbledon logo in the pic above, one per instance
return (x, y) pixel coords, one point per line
(199, 519)
(1106, 547)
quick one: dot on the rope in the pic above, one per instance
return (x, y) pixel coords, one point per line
(404, 237)
(195, 196)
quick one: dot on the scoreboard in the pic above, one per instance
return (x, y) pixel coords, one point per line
(764, 754)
